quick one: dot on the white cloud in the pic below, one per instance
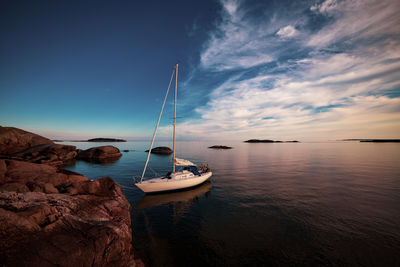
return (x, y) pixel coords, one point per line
(230, 6)
(358, 19)
(323, 95)
(237, 43)
(288, 31)
(325, 7)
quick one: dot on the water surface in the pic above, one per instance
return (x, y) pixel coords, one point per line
(274, 204)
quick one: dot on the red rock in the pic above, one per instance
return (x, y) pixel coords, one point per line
(14, 140)
(19, 144)
(49, 188)
(52, 154)
(102, 154)
(15, 187)
(162, 150)
(91, 227)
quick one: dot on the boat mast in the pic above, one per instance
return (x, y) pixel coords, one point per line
(176, 89)
(155, 130)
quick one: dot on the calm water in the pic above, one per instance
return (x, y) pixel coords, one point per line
(331, 204)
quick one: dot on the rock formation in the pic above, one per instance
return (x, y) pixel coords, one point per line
(381, 141)
(52, 217)
(259, 141)
(101, 154)
(56, 155)
(220, 147)
(21, 145)
(13, 140)
(162, 150)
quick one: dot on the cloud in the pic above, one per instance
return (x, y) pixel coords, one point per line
(287, 31)
(358, 20)
(337, 79)
(230, 7)
(325, 7)
(236, 43)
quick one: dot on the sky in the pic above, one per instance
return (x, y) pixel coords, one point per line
(305, 70)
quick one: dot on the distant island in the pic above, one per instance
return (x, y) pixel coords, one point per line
(268, 141)
(382, 140)
(220, 147)
(101, 139)
(375, 140)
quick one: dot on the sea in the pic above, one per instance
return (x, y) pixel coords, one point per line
(267, 204)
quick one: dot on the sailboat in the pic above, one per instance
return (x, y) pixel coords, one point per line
(188, 177)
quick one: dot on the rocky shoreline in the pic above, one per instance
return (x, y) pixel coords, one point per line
(22, 145)
(53, 217)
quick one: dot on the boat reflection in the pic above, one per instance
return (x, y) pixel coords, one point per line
(185, 197)
(179, 202)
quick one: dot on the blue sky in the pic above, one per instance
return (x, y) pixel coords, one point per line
(306, 70)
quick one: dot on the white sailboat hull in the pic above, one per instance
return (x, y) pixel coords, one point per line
(161, 185)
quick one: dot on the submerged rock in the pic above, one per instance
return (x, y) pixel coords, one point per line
(162, 150)
(52, 217)
(220, 147)
(101, 154)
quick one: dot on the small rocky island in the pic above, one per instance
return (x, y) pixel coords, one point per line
(161, 150)
(102, 139)
(101, 154)
(220, 147)
(373, 140)
(268, 141)
(381, 140)
(53, 217)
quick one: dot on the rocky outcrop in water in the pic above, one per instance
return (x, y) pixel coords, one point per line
(220, 147)
(21, 145)
(162, 150)
(380, 141)
(101, 154)
(52, 217)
